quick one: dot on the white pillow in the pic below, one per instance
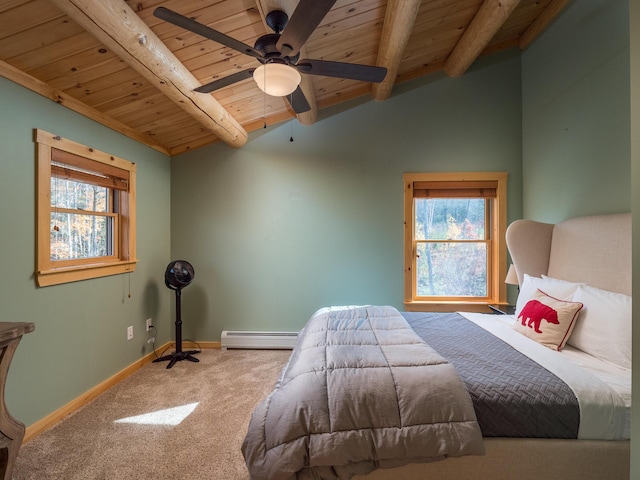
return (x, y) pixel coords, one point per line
(554, 287)
(604, 326)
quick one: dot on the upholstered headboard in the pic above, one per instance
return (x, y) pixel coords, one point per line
(595, 250)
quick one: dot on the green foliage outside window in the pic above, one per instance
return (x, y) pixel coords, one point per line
(451, 247)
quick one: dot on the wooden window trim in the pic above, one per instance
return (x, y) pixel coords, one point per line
(120, 174)
(486, 185)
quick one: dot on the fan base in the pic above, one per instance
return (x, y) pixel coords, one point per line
(178, 356)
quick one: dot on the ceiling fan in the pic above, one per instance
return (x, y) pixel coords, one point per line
(278, 52)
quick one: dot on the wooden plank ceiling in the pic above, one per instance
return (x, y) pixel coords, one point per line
(115, 62)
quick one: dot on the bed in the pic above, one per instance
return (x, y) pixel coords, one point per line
(373, 393)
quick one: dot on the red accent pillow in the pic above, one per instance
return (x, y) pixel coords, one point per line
(548, 320)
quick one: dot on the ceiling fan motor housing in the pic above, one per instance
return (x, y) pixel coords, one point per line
(266, 45)
(277, 20)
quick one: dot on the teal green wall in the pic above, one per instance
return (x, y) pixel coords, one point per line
(581, 154)
(634, 23)
(80, 337)
(576, 137)
(278, 229)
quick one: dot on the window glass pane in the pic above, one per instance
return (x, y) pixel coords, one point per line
(76, 236)
(449, 218)
(78, 195)
(451, 269)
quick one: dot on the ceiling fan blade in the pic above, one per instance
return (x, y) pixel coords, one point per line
(304, 20)
(207, 32)
(225, 82)
(352, 71)
(298, 101)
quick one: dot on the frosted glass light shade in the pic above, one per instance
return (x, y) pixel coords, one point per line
(277, 79)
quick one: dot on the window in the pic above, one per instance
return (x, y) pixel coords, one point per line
(455, 252)
(86, 212)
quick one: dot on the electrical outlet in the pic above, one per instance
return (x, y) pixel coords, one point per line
(130, 332)
(149, 324)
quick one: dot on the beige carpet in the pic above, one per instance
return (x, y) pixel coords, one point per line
(97, 442)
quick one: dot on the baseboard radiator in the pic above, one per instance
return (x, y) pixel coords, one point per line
(258, 340)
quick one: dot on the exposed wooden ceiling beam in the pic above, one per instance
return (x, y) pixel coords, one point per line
(398, 25)
(540, 23)
(490, 17)
(121, 30)
(288, 6)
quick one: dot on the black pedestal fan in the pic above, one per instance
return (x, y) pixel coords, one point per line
(178, 275)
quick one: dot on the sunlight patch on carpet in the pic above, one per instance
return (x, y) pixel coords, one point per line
(169, 416)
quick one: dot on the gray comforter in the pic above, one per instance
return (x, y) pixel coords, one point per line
(361, 391)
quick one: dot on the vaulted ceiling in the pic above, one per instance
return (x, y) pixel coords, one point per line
(115, 62)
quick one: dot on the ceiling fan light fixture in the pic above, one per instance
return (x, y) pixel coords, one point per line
(277, 79)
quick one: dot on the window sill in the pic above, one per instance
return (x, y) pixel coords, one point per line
(58, 276)
(479, 307)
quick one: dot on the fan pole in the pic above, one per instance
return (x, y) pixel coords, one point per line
(178, 355)
(178, 322)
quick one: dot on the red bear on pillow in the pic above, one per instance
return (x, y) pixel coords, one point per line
(533, 313)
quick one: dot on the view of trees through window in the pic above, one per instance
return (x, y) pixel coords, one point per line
(79, 226)
(451, 247)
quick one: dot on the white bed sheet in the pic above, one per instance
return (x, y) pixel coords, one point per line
(602, 389)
